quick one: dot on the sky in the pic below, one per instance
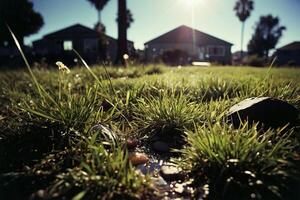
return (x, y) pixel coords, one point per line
(155, 17)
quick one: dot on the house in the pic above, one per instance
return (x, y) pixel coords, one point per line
(184, 45)
(59, 44)
(289, 54)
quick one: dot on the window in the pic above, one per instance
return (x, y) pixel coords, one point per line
(68, 45)
(216, 50)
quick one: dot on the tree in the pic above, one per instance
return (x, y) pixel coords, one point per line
(243, 9)
(99, 5)
(100, 28)
(22, 19)
(129, 18)
(266, 36)
(102, 42)
(122, 32)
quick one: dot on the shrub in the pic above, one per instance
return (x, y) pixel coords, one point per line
(256, 61)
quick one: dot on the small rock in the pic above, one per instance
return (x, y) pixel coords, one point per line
(107, 135)
(161, 146)
(179, 188)
(171, 173)
(159, 181)
(40, 194)
(270, 112)
(26, 168)
(138, 158)
(132, 143)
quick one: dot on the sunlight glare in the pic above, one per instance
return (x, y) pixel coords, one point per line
(191, 3)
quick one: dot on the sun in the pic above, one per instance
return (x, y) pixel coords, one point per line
(191, 3)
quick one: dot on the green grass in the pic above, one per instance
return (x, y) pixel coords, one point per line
(102, 174)
(46, 142)
(167, 114)
(238, 164)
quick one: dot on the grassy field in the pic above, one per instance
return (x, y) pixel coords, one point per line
(48, 149)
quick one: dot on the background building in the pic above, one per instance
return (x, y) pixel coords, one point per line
(184, 45)
(289, 54)
(81, 38)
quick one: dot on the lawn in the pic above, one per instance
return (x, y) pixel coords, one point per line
(68, 135)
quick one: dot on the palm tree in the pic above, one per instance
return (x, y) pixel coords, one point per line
(129, 18)
(243, 9)
(122, 32)
(99, 5)
(100, 28)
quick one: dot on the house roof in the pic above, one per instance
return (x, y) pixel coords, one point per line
(290, 47)
(185, 34)
(76, 31)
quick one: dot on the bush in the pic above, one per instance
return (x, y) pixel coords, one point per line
(255, 60)
(175, 57)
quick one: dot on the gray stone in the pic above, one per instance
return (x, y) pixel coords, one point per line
(106, 134)
(159, 181)
(268, 112)
(179, 188)
(161, 146)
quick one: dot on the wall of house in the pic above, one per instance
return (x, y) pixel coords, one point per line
(291, 58)
(90, 45)
(225, 58)
(153, 52)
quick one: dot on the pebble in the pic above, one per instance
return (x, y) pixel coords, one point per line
(159, 181)
(138, 158)
(179, 188)
(40, 194)
(132, 143)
